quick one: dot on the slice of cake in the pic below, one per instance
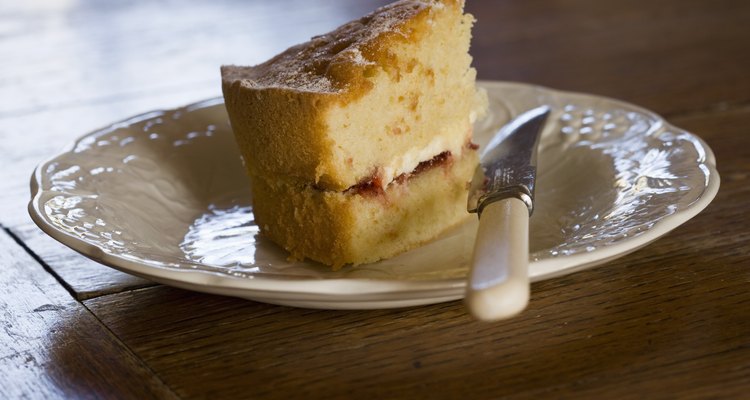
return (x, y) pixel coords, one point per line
(358, 142)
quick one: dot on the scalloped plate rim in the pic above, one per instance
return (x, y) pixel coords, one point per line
(328, 292)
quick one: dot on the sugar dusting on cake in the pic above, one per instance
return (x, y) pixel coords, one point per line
(358, 58)
(309, 66)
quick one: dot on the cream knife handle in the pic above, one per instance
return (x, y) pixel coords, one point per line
(498, 284)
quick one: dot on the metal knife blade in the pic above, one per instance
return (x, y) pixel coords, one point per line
(508, 163)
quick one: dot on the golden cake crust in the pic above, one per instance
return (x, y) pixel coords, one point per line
(338, 62)
(287, 102)
(357, 142)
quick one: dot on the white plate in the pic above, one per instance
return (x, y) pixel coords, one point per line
(164, 196)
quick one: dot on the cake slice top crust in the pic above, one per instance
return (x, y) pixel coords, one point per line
(343, 59)
(366, 102)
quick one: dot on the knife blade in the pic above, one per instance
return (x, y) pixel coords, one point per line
(502, 195)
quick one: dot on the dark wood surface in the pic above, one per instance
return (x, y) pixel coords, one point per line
(671, 320)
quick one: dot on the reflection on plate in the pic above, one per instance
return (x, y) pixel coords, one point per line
(164, 196)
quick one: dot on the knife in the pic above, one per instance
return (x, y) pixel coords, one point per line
(502, 195)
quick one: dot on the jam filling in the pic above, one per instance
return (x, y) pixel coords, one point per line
(373, 186)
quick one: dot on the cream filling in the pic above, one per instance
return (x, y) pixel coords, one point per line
(409, 161)
(412, 158)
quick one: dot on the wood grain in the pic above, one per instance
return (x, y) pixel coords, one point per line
(85, 278)
(671, 320)
(90, 53)
(586, 333)
(669, 56)
(52, 347)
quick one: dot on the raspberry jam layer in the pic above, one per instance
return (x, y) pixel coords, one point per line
(373, 186)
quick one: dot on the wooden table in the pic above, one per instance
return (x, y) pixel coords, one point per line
(669, 321)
